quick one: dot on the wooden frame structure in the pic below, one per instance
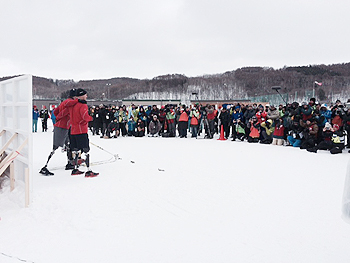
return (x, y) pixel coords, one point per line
(16, 132)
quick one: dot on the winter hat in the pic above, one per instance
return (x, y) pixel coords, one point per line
(328, 125)
(72, 93)
(80, 92)
(335, 127)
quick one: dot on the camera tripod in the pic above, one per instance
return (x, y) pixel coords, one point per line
(205, 123)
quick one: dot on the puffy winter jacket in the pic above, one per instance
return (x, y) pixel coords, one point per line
(79, 118)
(62, 113)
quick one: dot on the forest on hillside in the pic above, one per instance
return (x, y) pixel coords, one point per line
(241, 83)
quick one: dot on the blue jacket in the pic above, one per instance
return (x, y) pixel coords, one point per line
(131, 125)
(237, 115)
(35, 114)
(53, 117)
(327, 114)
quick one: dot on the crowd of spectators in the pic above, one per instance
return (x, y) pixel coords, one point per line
(309, 125)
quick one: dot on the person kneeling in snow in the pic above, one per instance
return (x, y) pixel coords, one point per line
(140, 128)
(278, 134)
(309, 133)
(295, 134)
(338, 140)
(254, 127)
(154, 126)
(113, 127)
(131, 126)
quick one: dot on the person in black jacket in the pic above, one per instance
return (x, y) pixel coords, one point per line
(225, 118)
(97, 121)
(140, 128)
(44, 115)
(346, 121)
(112, 127)
(103, 120)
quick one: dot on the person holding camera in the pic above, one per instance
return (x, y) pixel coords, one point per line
(194, 114)
(140, 128)
(183, 122)
(254, 127)
(278, 133)
(211, 114)
(346, 122)
(337, 116)
(170, 119)
(305, 111)
(225, 118)
(309, 133)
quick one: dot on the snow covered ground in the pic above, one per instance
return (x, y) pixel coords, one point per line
(180, 200)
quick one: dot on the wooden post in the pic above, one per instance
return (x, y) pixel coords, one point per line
(27, 187)
(12, 176)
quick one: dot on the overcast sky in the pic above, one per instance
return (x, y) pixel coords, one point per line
(79, 39)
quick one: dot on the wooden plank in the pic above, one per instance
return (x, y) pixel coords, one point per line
(8, 143)
(7, 161)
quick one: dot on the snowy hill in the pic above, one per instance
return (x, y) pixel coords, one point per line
(180, 200)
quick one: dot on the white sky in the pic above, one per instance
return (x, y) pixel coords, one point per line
(136, 38)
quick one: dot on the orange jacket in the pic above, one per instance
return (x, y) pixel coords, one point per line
(183, 116)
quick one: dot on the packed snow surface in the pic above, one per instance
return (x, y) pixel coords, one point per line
(179, 200)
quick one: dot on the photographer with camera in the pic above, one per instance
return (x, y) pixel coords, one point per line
(346, 122)
(254, 127)
(195, 115)
(224, 118)
(237, 124)
(211, 114)
(170, 120)
(295, 133)
(204, 122)
(309, 133)
(338, 114)
(183, 123)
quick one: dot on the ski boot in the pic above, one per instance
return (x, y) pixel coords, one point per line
(45, 171)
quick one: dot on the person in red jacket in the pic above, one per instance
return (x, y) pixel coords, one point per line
(61, 131)
(183, 123)
(79, 119)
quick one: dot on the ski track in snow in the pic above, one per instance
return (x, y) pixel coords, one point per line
(215, 201)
